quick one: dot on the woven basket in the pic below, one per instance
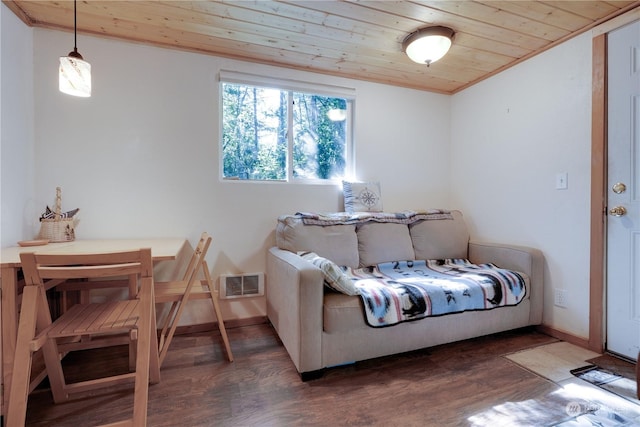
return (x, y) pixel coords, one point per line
(57, 229)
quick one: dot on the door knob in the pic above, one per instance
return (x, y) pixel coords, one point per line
(619, 188)
(618, 211)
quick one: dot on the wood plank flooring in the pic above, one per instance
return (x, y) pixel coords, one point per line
(467, 383)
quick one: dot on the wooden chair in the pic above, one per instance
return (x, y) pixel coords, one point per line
(179, 292)
(36, 330)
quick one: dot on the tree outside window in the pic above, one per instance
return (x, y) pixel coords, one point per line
(273, 134)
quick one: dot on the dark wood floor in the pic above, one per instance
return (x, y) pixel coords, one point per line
(460, 384)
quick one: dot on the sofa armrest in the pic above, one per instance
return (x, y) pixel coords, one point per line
(518, 258)
(295, 291)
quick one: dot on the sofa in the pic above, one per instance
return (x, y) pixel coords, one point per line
(321, 328)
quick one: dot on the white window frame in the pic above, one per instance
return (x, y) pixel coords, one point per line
(241, 78)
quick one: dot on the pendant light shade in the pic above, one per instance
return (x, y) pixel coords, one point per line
(427, 45)
(75, 75)
(75, 72)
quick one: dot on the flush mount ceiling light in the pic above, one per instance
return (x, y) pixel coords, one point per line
(429, 44)
(75, 72)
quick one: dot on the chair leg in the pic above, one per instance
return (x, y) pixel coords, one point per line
(165, 326)
(52, 358)
(154, 363)
(143, 355)
(133, 349)
(172, 330)
(216, 307)
(21, 376)
(54, 371)
(223, 330)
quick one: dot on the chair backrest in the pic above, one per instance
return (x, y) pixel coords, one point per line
(38, 267)
(200, 252)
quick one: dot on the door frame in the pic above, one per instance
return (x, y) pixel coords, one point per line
(598, 194)
(598, 256)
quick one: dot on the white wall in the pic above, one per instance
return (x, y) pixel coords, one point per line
(140, 157)
(511, 135)
(16, 129)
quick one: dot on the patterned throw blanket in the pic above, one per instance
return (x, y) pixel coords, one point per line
(395, 292)
(340, 218)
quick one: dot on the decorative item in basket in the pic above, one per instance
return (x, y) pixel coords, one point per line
(57, 226)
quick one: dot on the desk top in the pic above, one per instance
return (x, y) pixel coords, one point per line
(161, 249)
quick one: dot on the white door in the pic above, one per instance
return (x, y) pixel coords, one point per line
(623, 197)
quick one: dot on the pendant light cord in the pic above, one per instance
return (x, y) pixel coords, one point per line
(75, 27)
(74, 72)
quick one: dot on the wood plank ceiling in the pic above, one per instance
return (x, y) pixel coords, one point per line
(355, 39)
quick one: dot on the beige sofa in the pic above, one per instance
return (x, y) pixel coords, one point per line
(321, 329)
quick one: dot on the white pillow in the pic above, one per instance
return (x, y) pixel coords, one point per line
(334, 277)
(362, 196)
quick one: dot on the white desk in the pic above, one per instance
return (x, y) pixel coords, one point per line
(161, 250)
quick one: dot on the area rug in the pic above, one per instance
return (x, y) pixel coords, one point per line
(608, 380)
(614, 364)
(600, 417)
(603, 411)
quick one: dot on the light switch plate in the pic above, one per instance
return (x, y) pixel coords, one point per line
(562, 181)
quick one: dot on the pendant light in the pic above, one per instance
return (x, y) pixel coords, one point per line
(427, 45)
(75, 72)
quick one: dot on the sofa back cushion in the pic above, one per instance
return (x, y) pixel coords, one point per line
(383, 242)
(439, 239)
(371, 243)
(338, 243)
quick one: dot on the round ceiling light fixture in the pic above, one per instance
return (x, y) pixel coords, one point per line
(427, 45)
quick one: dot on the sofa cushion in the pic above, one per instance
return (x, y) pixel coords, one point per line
(338, 243)
(343, 313)
(383, 242)
(440, 239)
(334, 277)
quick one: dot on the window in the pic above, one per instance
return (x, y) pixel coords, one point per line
(283, 134)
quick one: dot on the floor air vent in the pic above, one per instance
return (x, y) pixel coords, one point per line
(241, 285)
